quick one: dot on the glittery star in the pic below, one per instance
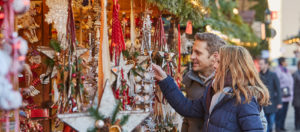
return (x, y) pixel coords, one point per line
(122, 68)
(49, 52)
(107, 105)
(79, 51)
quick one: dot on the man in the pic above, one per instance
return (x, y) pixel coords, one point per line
(296, 99)
(204, 53)
(271, 81)
(286, 86)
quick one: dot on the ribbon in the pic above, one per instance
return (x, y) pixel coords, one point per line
(17, 121)
(71, 26)
(179, 55)
(179, 49)
(159, 34)
(100, 61)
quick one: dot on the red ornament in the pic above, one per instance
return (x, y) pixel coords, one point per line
(117, 39)
(74, 75)
(82, 77)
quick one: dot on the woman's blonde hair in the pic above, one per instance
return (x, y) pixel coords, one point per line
(237, 62)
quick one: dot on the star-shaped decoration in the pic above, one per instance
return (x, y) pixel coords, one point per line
(141, 59)
(49, 52)
(79, 51)
(83, 121)
(117, 70)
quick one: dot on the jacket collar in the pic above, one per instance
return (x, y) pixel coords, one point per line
(220, 97)
(267, 72)
(195, 77)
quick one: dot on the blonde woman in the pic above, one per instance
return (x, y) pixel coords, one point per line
(232, 103)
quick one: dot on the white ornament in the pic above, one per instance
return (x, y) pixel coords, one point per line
(138, 88)
(10, 99)
(137, 78)
(99, 124)
(148, 89)
(21, 6)
(23, 45)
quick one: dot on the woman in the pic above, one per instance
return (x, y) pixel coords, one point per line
(234, 100)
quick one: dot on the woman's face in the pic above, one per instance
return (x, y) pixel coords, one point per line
(216, 62)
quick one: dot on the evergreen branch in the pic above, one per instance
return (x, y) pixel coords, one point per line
(116, 111)
(95, 114)
(49, 62)
(124, 120)
(55, 45)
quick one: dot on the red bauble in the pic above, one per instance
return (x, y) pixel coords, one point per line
(74, 75)
(82, 77)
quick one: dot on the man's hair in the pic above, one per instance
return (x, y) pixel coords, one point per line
(281, 60)
(266, 61)
(213, 41)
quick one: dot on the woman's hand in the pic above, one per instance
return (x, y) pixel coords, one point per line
(159, 74)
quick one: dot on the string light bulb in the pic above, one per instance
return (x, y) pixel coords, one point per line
(194, 2)
(235, 11)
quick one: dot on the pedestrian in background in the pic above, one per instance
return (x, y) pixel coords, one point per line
(286, 86)
(271, 81)
(296, 99)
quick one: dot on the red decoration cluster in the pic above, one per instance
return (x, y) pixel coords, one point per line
(117, 39)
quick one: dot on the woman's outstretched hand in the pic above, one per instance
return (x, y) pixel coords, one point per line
(159, 74)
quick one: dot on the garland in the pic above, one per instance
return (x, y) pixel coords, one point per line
(217, 14)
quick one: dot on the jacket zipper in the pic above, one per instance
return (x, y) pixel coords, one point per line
(207, 123)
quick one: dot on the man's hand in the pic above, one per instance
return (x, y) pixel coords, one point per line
(279, 106)
(159, 74)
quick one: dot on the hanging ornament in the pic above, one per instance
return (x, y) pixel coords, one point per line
(21, 6)
(58, 14)
(160, 38)
(146, 41)
(185, 43)
(189, 28)
(117, 39)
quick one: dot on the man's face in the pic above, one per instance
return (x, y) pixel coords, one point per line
(262, 65)
(200, 57)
